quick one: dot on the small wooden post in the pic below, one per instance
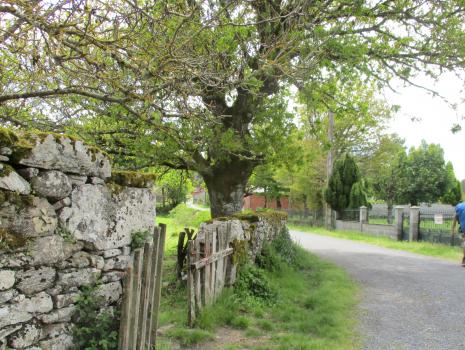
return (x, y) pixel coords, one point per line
(136, 287)
(151, 309)
(213, 267)
(156, 302)
(197, 279)
(144, 297)
(191, 282)
(126, 311)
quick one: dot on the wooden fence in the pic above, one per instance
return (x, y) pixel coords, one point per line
(141, 295)
(208, 264)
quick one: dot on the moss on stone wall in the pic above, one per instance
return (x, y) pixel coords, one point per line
(7, 137)
(133, 179)
(240, 256)
(18, 200)
(11, 241)
(6, 170)
(274, 216)
(23, 142)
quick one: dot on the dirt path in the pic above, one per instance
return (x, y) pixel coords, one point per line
(408, 301)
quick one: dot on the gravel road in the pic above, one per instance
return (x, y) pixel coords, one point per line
(408, 301)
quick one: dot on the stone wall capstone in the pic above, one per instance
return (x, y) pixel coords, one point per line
(65, 222)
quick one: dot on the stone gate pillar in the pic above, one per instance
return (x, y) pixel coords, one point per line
(399, 221)
(414, 223)
(363, 216)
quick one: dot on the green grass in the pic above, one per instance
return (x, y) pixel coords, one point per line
(314, 310)
(424, 248)
(314, 307)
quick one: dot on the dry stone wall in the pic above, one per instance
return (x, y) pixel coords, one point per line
(246, 233)
(65, 222)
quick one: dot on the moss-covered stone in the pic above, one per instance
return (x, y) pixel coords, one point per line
(133, 179)
(5, 170)
(274, 216)
(240, 256)
(11, 241)
(19, 144)
(18, 200)
(7, 137)
(23, 142)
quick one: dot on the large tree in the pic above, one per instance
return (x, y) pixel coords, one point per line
(200, 85)
(422, 174)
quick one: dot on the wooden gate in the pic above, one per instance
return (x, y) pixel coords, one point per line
(207, 270)
(141, 295)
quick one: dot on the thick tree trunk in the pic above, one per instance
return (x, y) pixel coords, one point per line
(226, 184)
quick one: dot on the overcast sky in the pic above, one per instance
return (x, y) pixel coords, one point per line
(423, 117)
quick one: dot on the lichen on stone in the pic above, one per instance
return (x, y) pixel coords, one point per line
(133, 179)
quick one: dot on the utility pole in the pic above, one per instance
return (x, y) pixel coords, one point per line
(329, 166)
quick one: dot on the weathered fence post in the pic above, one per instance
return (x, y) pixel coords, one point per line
(141, 298)
(399, 221)
(363, 217)
(414, 223)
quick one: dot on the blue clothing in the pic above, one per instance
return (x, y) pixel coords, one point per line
(460, 211)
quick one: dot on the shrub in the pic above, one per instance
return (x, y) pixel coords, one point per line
(278, 252)
(284, 246)
(138, 238)
(253, 285)
(268, 258)
(94, 329)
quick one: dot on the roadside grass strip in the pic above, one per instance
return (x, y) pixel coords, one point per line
(293, 303)
(424, 248)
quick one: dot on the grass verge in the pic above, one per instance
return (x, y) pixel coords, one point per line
(424, 248)
(296, 302)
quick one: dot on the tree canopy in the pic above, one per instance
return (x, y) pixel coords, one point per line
(203, 86)
(423, 175)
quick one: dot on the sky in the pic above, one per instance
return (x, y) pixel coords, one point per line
(424, 117)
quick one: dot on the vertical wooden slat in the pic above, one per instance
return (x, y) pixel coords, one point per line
(207, 274)
(219, 279)
(144, 297)
(156, 302)
(136, 287)
(191, 282)
(151, 309)
(197, 279)
(213, 267)
(126, 311)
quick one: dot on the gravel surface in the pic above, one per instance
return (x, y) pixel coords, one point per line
(408, 301)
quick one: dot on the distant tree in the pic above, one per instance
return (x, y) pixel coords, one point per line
(264, 179)
(453, 193)
(422, 174)
(173, 185)
(358, 196)
(345, 176)
(381, 170)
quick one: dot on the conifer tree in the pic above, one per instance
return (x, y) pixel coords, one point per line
(345, 187)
